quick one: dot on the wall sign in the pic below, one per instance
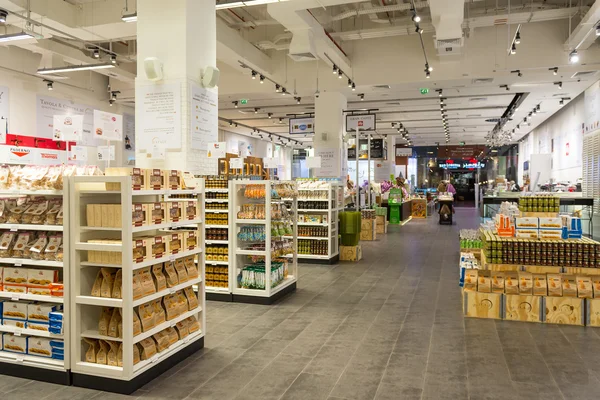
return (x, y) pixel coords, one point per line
(216, 149)
(236, 163)
(160, 116)
(302, 125)
(330, 162)
(68, 127)
(32, 155)
(108, 126)
(106, 153)
(362, 122)
(204, 117)
(404, 151)
(270, 162)
(48, 107)
(78, 153)
(313, 162)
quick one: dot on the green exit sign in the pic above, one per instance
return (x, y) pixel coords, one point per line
(243, 101)
(424, 90)
(462, 143)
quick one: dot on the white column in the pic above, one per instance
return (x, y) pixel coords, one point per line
(330, 124)
(182, 35)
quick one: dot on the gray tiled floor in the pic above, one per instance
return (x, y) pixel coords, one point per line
(388, 327)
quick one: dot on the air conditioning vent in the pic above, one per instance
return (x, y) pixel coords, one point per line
(480, 81)
(583, 74)
(379, 88)
(478, 99)
(449, 47)
(246, 112)
(473, 115)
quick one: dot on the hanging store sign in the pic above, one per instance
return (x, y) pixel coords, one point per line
(424, 90)
(68, 127)
(461, 164)
(48, 107)
(360, 122)
(216, 149)
(32, 155)
(108, 126)
(300, 126)
(236, 163)
(404, 151)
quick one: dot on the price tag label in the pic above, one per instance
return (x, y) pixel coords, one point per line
(168, 193)
(172, 291)
(20, 359)
(15, 297)
(18, 264)
(154, 359)
(173, 323)
(172, 258)
(186, 340)
(13, 228)
(18, 332)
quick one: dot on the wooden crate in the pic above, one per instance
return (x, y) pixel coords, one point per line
(592, 312)
(542, 269)
(367, 229)
(350, 253)
(528, 308)
(564, 310)
(482, 305)
(582, 271)
(539, 214)
(382, 225)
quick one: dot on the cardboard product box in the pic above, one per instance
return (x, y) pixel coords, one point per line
(482, 305)
(551, 223)
(159, 246)
(89, 211)
(42, 277)
(525, 283)
(14, 344)
(174, 242)
(564, 310)
(155, 179)
(350, 253)
(17, 323)
(175, 211)
(190, 240)
(596, 286)
(367, 230)
(141, 249)
(40, 312)
(14, 275)
(157, 213)
(39, 290)
(484, 281)
(174, 179)
(15, 288)
(39, 326)
(540, 284)
(190, 210)
(97, 208)
(140, 215)
(523, 308)
(14, 310)
(569, 286)
(550, 234)
(138, 177)
(39, 346)
(584, 287)
(527, 233)
(527, 223)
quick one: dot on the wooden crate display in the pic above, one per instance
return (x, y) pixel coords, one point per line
(592, 312)
(382, 224)
(419, 208)
(527, 308)
(483, 305)
(564, 310)
(350, 253)
(367, 229)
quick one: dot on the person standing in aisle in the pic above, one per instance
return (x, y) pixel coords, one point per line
(442, 188)
(450, 188)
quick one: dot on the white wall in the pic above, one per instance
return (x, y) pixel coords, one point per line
(562, 136)
(17, 67)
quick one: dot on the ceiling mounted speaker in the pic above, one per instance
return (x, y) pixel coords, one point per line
(210, 77)
(153, 68)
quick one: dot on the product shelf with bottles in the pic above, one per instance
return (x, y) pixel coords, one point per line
(136, 313)
(264, 240)
(34, 283)
(319, 202)
(218, 238)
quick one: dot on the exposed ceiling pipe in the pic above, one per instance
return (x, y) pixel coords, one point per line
(582, 38)
(369, 9)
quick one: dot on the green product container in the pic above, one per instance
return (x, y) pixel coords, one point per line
(381, 211)
(350, 227)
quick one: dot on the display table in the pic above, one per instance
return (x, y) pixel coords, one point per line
(446, 201)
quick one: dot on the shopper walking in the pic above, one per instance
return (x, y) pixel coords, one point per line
(450, 188)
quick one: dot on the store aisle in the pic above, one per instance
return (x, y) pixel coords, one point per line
(388, 327)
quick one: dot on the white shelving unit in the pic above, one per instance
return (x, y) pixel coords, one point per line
(32, 366)
(243, 257)
(213, 292)
(87, 309)
(330, 193)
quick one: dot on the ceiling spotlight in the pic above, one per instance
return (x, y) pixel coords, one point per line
(513, 49)
(349, 83)
(538, 107)
(3, 15)
(253, 74)
(428, 67)
(96, 53)
(270, 115)
(518, 127)
(230, 123)
(353, 86)
(573, 57)
(519, 74)
(534, 111)
(283, 91)
(419, 30)
(554, 70)
(281, 120)
(298, 100)
(262, 79)
(559, 84)
(340, 74)
(111, 102)
(256, 110)
(518, 37)
(277, 88)
(561, 102)
(439, 92)
(335, 69)
(113, 59)
(235, 104)
(49, 85)
(415, 17)
(427, 74)
(362, 97)
(598, 30)
(113, 95)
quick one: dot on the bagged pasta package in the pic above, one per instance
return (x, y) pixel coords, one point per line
(190, 267)
(90, 354)
(54, 179)
(120, 355)
(60, 253)
(108, 280)
(511, 282)
(54, 207)
(182, 329)
(554, 283)
(171, 274)
(146, 312)
(159, 278)
(23, 239)
(16, 174)
(16, 209)
(120, 324)
(162, 341)
(37, 250)
(118, 285)
(6, 243)
(4, 177)
(54, 242)
(138, 293)
(60, 217)
(193, 324)
(182, 303)
(102, 351)
(136, 354)
(148, 287)
(3, 212)
(182, 275)
(148, 348)
(191, 298)
(159, 312)
(137, 324)
(111, 356)
(113, 325)
(172, 335)
(35, 212)
(96, 287)
(170, 306)
(105, 316)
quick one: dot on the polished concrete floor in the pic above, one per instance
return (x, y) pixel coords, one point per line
(388, 327)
